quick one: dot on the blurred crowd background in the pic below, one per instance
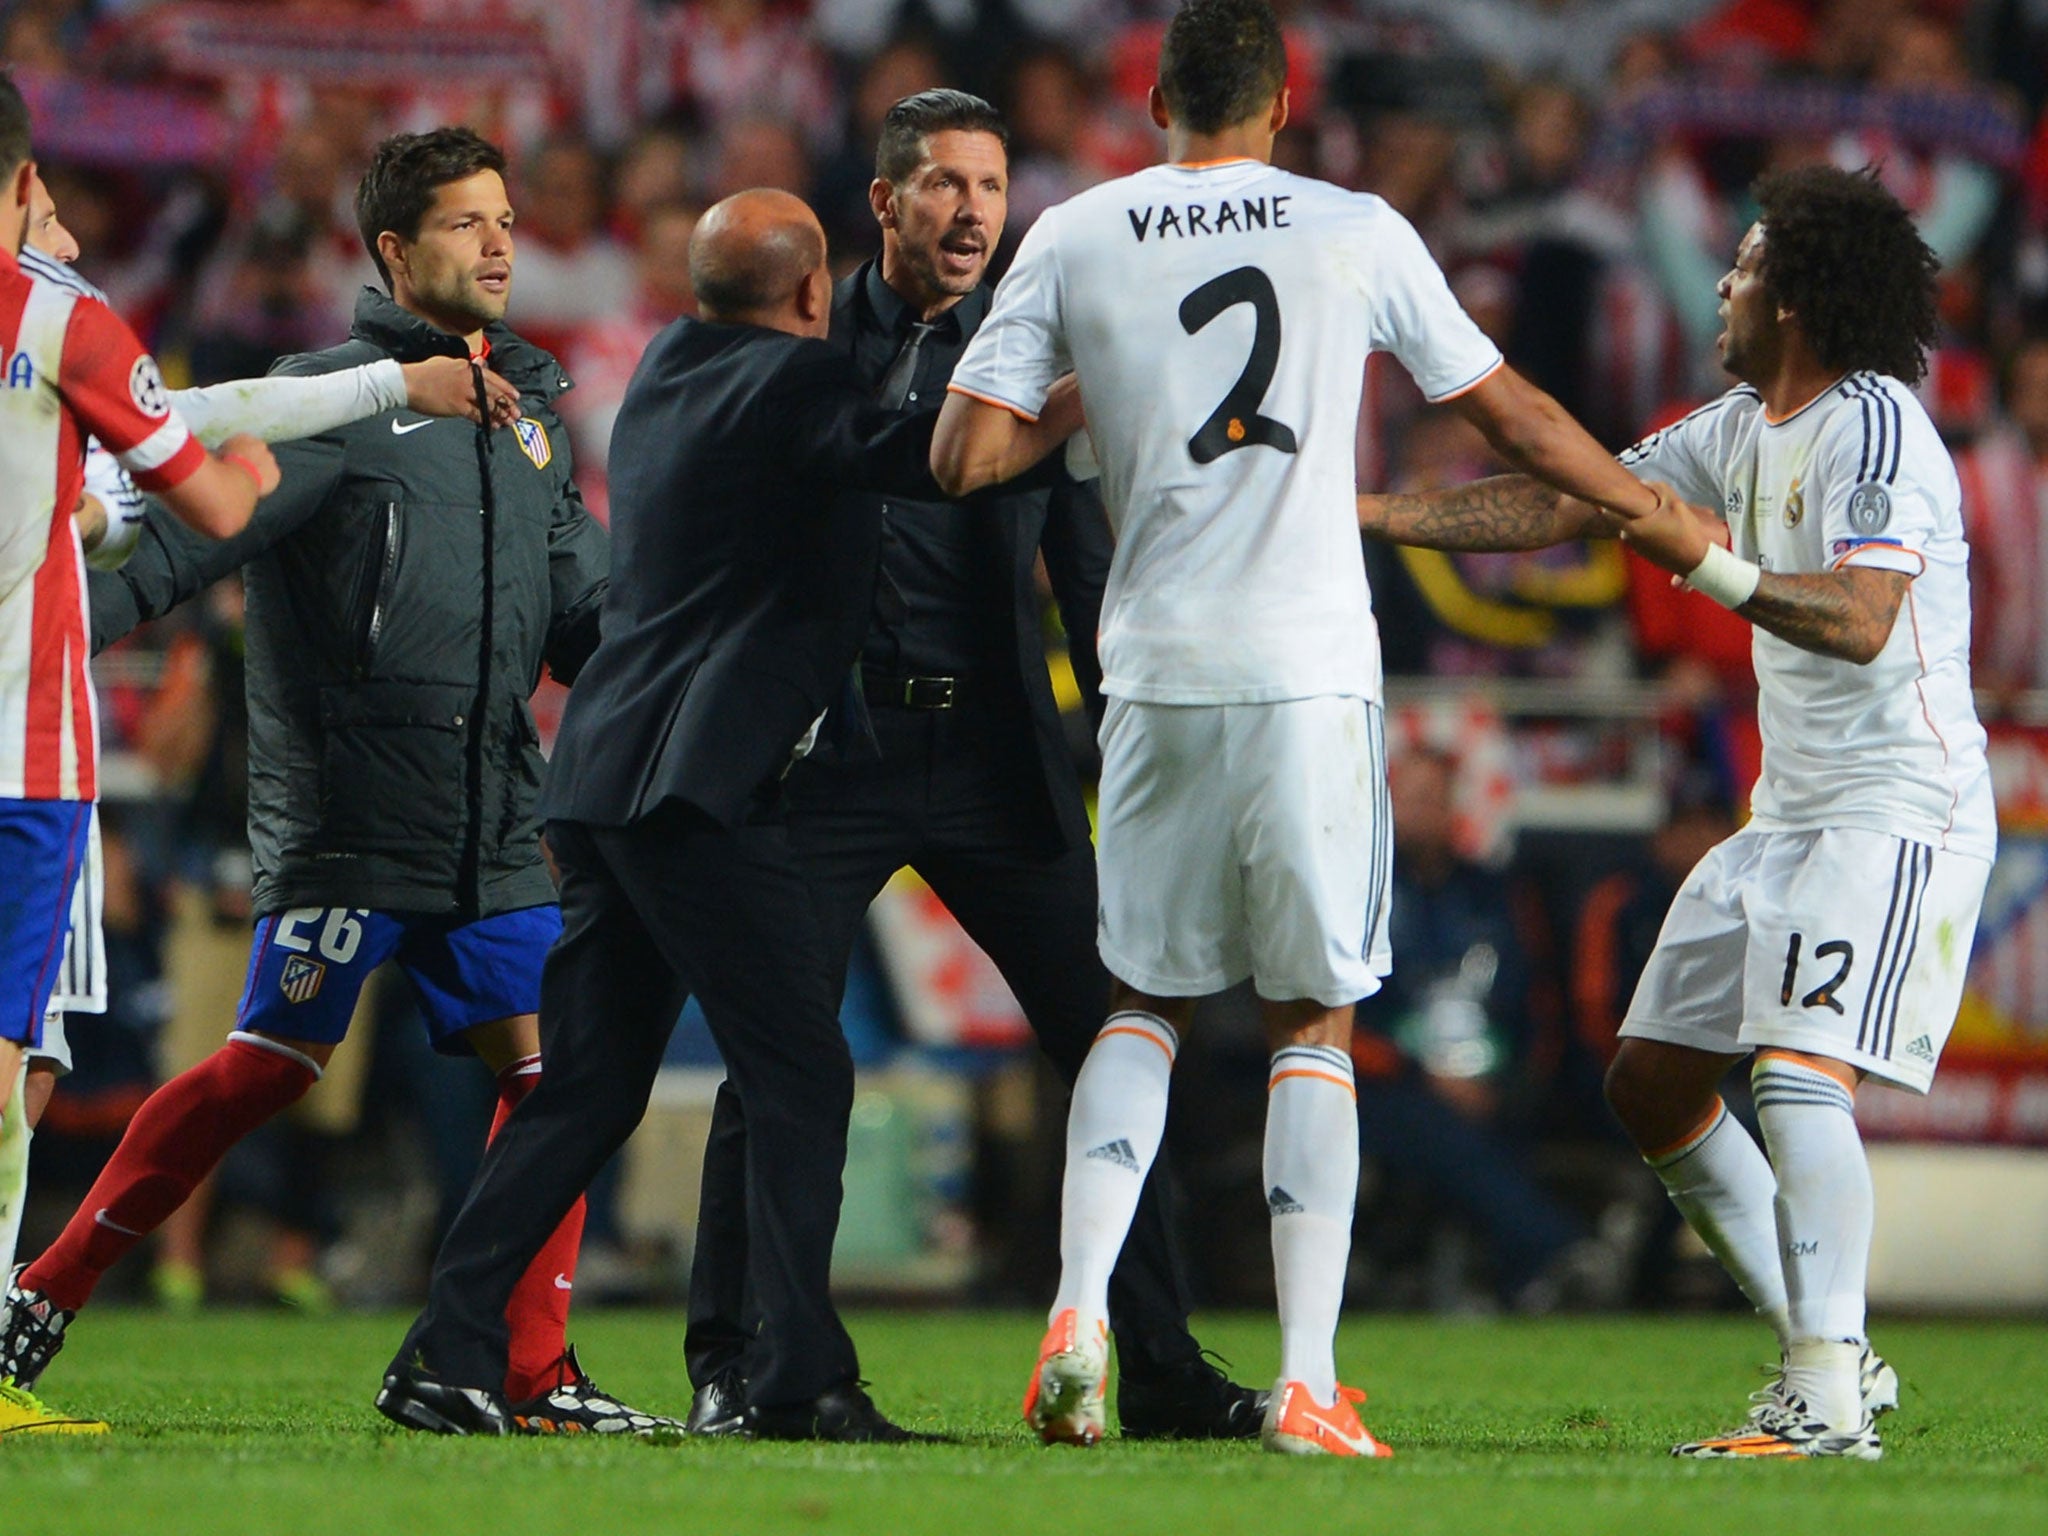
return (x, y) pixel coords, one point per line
(1572, 732)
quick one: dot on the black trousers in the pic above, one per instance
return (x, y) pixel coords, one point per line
(959, 796)
(652, 913)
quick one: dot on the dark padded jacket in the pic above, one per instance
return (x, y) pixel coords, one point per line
(405, 583)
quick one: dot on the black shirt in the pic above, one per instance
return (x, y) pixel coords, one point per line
(944, 601)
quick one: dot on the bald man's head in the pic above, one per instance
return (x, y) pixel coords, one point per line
(755, 256)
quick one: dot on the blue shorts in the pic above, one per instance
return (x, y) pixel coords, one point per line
(307, 967)
(42, 849)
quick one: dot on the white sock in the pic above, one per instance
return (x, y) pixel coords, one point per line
(14, 1139)
(1311, 1169)
(1114, 1128)
(1723, 1186)
(1825, 1213)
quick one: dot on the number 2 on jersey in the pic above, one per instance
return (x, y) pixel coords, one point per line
(1236, 422)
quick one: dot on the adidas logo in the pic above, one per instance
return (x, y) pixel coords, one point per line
(1118, 1152)
(1281, 1203)
(1921, 1049)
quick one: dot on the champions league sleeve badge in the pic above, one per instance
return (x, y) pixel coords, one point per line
(1870, 508)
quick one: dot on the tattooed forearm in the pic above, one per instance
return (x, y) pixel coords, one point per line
(1504, 513)
(1845, 614)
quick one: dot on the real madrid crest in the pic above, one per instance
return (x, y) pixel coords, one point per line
(533, 441)
(1795, 505)
(1870, 508)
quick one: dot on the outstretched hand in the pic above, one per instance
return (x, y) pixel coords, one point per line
(446, 386)
(1675, 536)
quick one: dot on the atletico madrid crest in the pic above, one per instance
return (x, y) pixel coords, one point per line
(533, 441)
(301, 980)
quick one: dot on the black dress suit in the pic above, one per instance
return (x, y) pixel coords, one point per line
(976, 791)
(742, 580)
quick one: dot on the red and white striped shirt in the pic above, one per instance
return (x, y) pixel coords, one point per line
(69, 370)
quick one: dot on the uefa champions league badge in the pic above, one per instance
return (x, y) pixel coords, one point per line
(1870, 508)
(533, 441)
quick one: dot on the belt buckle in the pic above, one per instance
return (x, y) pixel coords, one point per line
(928, 692)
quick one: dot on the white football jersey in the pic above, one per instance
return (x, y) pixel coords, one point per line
(1219, 317)
(1857, 477)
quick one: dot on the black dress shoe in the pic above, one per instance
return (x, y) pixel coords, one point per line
(415, 1399)
(719, 1406)
(1194, 1401)
(844, 1414)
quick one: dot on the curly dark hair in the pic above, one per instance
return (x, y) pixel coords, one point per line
(1222, 62)
(1841, 253)
(406, 170)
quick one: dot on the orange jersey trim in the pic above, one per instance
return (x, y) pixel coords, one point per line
(1466, 389)
(1002, 405)
(1845, 559)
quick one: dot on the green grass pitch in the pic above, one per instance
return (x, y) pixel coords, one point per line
(243, 1423)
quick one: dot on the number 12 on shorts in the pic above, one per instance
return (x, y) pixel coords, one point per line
(1822, 996)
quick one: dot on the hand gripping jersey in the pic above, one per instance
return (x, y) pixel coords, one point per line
(1219, 317)
(1858, 477)
(69, 369)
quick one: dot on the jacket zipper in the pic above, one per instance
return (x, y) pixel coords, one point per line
(387, 581)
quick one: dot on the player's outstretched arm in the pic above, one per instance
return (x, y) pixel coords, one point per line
(1538, 436)
(218, 497)
(283, 406)
(1505, 512)
(979, 443)
(1847, 614)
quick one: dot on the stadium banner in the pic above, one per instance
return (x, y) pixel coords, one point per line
(1993, 1082)
(948, 992)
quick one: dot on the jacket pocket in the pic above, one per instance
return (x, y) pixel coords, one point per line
(380, 582)
(394, 768)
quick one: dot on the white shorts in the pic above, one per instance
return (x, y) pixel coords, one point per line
(53, 1051)
(82, 979)
(1244, 840)
(1847, 944)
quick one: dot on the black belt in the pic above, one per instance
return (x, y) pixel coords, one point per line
(910, 692)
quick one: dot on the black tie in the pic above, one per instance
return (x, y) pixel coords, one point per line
(902, 373)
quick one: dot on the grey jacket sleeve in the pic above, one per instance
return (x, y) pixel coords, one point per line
(172, 563)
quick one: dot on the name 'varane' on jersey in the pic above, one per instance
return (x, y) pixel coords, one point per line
(1858, 477)
(1219, 317)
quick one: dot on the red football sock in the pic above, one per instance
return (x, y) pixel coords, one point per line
(176, 1139)
(538, 1313)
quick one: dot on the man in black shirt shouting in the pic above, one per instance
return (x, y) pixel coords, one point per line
(975, 788)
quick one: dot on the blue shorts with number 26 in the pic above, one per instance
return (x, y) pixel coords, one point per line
(308, 965)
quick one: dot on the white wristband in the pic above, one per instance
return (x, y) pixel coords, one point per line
(1728, 579)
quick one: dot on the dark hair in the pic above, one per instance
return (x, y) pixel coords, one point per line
(15, 146)
(1223, 61)
(1841, 253)
(406, 170)
(907, 126)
